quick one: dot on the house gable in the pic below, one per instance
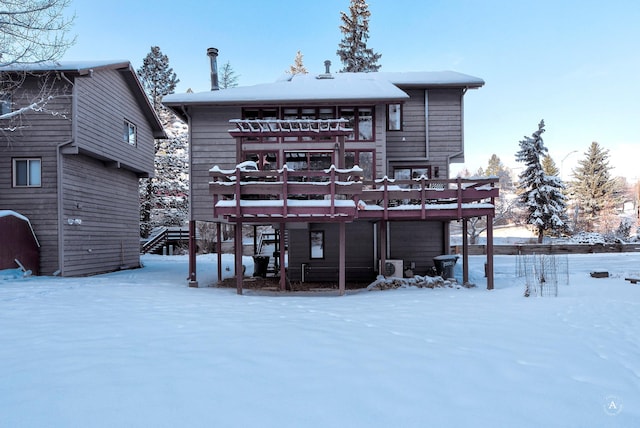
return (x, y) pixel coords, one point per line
(86, 210)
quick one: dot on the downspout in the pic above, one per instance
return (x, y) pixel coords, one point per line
(192, 277)
(59, 175)
(447, 224)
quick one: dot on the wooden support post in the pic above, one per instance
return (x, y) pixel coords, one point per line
(342, 260)
(465, 251)
(238, 256)
(255, 239)
(193, 280)
(489, 252)
(283, 270)
(219, 250)
(383, 246)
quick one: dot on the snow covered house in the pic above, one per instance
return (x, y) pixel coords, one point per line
(350, 168)
(76, 137)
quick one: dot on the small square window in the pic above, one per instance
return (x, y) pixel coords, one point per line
(130, 133)
(27, 172)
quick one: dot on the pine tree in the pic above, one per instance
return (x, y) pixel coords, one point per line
(593, 188)
(163, 198)
(158, 79)
(541, 194)
(228, 76)
(352, 49)
(298, 66)
(549, 166)
(496, 168)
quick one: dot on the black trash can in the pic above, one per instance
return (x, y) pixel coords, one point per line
(260, 265)
(444, 265)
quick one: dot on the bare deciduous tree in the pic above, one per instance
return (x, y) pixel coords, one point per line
(31, 32)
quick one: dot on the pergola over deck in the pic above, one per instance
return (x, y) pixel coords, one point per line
(246, 195)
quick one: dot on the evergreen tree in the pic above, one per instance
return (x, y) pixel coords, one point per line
(298, 66)
(593, 188)
(496, 168)
(352, 49)
(163, 198)
(549, 166)
(158, 79)
(541, 194)
(228, 76)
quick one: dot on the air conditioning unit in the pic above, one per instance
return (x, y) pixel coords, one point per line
(392, 268)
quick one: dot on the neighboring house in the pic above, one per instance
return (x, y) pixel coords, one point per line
(340, 224)
(72, 164)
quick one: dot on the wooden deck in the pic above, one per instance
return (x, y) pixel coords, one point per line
(340, 195)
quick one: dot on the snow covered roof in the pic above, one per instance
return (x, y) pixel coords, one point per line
(337, 87)
(77, 66)
(432, 79)
(86, 68)
(8, 213)
(343, 87)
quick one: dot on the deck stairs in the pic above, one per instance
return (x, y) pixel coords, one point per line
(268, 243)
(161, 236)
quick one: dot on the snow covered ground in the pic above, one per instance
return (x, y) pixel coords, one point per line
(141, 349)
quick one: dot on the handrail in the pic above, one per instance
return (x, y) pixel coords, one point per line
(243, 189)
(160, 235)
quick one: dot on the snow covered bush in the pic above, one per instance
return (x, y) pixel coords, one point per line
(590, 238)
(382, 283)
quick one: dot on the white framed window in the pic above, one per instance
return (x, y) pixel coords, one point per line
(5, 103)
(27, 172)
(130, 133)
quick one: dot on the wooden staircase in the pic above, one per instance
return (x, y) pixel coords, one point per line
(161, 236)
(268, 246)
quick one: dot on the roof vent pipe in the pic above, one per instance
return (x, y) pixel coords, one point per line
(327, 71)
(212, 53)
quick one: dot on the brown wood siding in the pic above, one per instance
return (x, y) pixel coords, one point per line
(445, 127)
(104, 102)
(443, 137)
(210, 145)
(42, 132)
(410, 142)
(416, 241)
(359, 253)
(106, 200)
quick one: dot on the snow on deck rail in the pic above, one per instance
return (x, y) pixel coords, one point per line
(341, 193)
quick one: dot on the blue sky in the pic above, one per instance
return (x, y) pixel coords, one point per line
(575, 64)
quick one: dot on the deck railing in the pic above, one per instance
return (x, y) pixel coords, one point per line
(342, 195)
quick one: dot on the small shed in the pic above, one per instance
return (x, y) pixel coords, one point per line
(18, 242)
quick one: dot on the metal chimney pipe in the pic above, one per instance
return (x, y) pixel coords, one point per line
(327, 67)
(212, 53)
